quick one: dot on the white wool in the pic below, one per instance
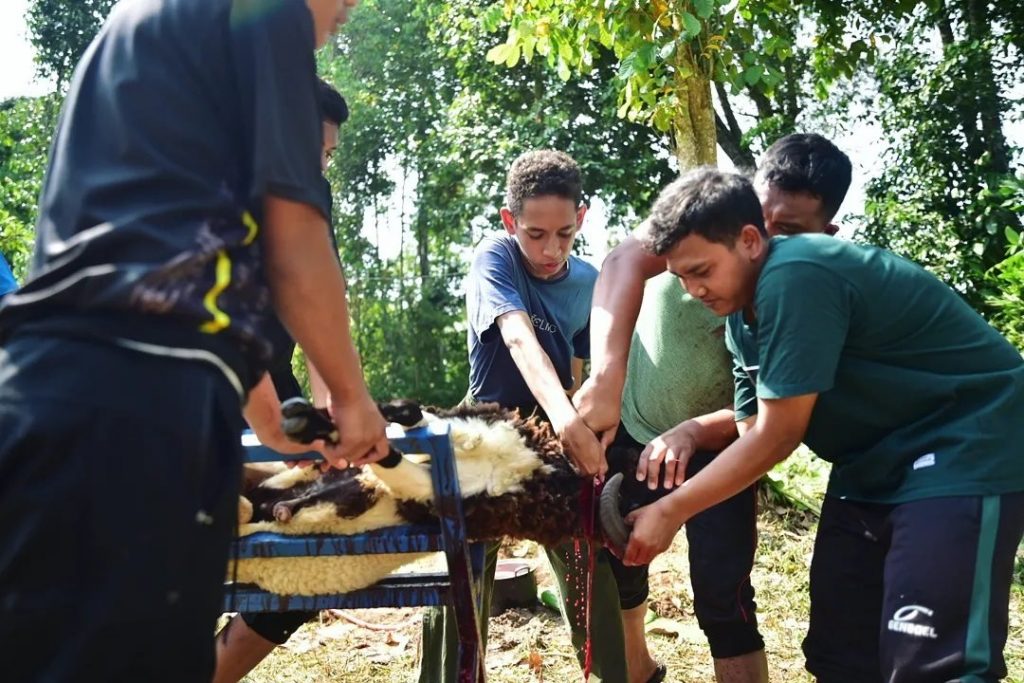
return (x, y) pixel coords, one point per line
(321, 575)
(292, 476)
(492, 458)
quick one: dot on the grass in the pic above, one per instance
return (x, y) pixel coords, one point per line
(532, 645)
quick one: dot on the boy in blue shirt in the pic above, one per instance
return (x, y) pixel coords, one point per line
(918, 403)
(528, 309)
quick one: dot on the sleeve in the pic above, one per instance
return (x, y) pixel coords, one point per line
(803, 314)
(491, 289)
(273, 44)
(744, 393)
(7, 281)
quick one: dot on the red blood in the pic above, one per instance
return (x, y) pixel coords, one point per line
(589, 495)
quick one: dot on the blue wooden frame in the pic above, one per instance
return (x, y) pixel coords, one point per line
(458, 588)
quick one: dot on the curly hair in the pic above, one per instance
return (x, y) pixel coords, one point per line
(808, 162)
(540, 173)
(707, 202)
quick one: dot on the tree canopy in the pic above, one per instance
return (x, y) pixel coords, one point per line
(444, 94)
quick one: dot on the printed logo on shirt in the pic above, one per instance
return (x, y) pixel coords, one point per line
(543, 325)
(908, 620)
(926, 460)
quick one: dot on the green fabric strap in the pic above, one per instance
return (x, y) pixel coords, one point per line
(978, 648)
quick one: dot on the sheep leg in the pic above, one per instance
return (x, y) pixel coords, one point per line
(284, 510)
(407, 480)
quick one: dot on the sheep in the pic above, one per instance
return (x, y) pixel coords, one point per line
(513, 476)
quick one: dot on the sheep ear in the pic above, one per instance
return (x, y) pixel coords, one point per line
(614, 526)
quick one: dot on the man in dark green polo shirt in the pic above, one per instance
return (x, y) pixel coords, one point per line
(918, 403)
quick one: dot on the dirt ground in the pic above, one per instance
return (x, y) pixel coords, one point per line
(532, 645)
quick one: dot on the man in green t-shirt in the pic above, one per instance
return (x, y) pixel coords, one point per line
(675, 399)
(918, 403)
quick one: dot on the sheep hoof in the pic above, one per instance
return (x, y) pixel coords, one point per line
(283, 512)
(612, 523)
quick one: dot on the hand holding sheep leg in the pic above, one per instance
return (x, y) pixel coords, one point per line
(582, 447)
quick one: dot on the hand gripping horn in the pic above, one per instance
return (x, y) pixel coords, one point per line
(303, 423)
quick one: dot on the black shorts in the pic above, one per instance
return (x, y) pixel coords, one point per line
(276, 627)
(912, 592)
(118, 493)
(722, 541)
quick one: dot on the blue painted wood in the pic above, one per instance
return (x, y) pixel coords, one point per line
(458, 588)
(394, 539)
(397, 590)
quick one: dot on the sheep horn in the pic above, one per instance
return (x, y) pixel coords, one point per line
(612, 523)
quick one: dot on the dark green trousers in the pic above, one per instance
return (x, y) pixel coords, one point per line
(439, 650)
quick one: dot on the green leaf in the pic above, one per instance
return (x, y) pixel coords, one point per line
(563, 70)
(1012, 236)
(753, 74)
(645, 57)
(498, 53)
(628, 67)
(704, 8)
(662, 119)
(692, 25)
(528, 46)
(623, 109)
(565, 50)
(513, 56)
(492, 18)
(666, 51)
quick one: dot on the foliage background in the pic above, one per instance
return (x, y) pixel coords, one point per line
(444, 95)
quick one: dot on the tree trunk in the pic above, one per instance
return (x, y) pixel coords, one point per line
(693, 130)
(730, 135)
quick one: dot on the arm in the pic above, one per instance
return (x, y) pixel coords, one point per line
(777, 430)
(309, 294)
(617, 298)
(542, 379)
(317, 385)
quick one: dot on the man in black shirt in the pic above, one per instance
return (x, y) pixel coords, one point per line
(182, 207)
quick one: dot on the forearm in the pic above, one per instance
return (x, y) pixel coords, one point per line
(617, 300)
(308, 289)
(734, 469)
(317, 386)
(543, 381)
(618, 296)
(262, 409)
(713, 431)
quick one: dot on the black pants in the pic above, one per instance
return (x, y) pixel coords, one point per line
(118, 487)
(915, 592)
(722, 541)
